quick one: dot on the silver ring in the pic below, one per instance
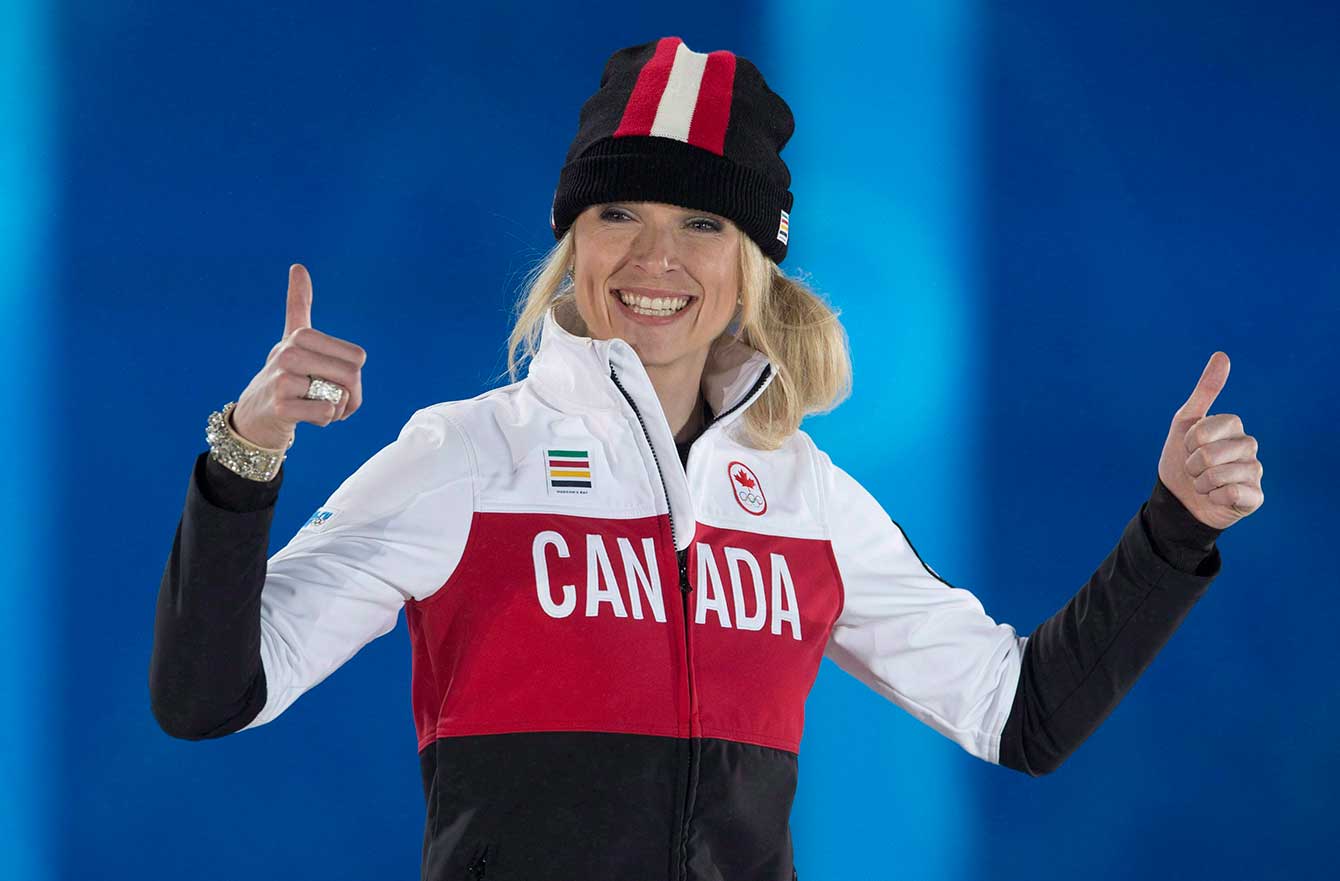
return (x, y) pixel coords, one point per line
(323, 390)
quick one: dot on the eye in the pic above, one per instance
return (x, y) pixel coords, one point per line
(702, 224)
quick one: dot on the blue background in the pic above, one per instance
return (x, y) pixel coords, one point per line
(1039, 221)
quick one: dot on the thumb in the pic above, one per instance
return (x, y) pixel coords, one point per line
(299, 310)
(1208, 387)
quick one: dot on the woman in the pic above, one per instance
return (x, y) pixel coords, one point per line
(612, 648)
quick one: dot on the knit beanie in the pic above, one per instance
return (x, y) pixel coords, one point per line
(700, 130)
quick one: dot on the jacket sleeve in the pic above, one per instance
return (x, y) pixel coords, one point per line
(1025, 703)
(922, 643)
(1083, 660)
(238, 639)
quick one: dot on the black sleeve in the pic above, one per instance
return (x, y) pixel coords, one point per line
(233, 492)
(1178, 537)
(1080, 662)
(205, 673)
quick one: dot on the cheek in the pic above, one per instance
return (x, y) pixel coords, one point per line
(727, 288)
(716, 314)
(581, 292)
(592, 310)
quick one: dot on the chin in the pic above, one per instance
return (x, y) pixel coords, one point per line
(654, 355)
(657, 353)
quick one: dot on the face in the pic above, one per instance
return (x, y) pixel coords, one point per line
(660, 277)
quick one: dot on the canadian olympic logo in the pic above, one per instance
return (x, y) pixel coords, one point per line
(746, 488)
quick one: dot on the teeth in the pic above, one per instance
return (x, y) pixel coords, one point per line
(659, 306)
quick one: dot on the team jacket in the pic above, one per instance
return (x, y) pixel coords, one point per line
(611, 648)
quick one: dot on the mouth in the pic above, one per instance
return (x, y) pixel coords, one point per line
(652, 306)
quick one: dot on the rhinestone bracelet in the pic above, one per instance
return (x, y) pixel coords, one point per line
(238, 454)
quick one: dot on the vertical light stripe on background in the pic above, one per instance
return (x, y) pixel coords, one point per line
(882, 164)
(31, 682)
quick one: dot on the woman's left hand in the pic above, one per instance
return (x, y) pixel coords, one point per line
(1208, 462)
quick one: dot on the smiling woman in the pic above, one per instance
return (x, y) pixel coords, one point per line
(622, 571)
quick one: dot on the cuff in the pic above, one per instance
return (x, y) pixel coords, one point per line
(1177, 536)
(230, 491)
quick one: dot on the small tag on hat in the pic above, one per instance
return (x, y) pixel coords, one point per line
(784, 229)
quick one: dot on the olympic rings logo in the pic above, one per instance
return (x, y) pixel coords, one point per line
(746, 488)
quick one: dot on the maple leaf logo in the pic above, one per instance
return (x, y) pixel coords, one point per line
(743, 479)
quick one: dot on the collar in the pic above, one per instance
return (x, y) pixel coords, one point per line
(576, 370)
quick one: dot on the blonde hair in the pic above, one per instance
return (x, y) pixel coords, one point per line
(780, 316)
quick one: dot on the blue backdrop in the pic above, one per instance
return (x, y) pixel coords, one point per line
(1038, 219)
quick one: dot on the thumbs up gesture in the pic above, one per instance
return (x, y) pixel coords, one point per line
(275, 401)
(1208, 462)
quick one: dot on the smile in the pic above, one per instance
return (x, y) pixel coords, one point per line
(659, 306)
(652, 307)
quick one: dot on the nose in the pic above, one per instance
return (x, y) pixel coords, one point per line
(654, 249)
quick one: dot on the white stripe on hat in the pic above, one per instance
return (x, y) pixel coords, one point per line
(675, 111)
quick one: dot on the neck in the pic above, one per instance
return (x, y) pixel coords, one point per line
(679, 387)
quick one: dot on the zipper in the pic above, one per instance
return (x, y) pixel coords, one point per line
(695, 744)
(685, 588)
(478, 864)
(665, 489)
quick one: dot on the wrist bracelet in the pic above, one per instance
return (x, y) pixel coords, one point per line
(238, 454)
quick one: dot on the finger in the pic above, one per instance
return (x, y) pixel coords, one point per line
(1209, 429)
(352, 396)
(299, 310)
(1211, 382)
(1230, 446)
(297, 409)
(1241, 497)
(350, 400)
(317, 341)
(293, 387)
(355, 398)
(1232, 472)
(342, 406)
(305, 363)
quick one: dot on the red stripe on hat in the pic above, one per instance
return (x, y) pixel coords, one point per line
(711, 114)
(640, 112)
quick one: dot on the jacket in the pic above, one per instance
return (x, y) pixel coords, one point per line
(612, 650)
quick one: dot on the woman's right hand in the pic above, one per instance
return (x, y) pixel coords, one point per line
(272, 405)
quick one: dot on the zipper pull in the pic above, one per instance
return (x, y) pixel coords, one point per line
(478, 864)
(684, 570)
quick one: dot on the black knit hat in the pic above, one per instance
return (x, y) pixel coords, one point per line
(701, 130)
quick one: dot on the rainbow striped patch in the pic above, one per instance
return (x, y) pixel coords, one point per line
(784, 229)
(569, 470)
